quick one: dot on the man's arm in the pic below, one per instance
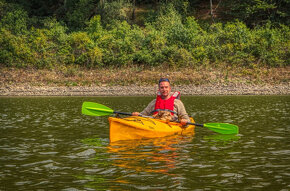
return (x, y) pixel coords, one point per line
(147, 111)
(181, 112)
(150, 107)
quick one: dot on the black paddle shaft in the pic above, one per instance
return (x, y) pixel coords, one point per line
(122, 113)
(196, 124)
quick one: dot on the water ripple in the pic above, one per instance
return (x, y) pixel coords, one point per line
(47, 144)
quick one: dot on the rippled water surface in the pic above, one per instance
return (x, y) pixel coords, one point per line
(47, 144)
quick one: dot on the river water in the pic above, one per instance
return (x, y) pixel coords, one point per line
(47, 144)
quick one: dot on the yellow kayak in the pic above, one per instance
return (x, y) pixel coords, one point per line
(135, 127)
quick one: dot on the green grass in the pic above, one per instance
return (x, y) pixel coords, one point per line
(134, 75)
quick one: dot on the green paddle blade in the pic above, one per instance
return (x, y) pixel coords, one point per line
(222, 128)
(95, 109)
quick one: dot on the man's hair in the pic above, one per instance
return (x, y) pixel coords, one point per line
(163, 80)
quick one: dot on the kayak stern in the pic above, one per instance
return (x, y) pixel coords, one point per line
(136, 127)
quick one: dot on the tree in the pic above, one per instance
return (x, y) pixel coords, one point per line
(257, 12)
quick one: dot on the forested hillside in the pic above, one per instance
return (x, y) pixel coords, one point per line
(177, 33)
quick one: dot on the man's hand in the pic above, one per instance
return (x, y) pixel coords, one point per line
(183, 121)
(135, 113)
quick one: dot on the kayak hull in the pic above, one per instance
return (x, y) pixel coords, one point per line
(135, 127)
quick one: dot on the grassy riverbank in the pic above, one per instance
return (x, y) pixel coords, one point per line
(126, 76)
(128, 80)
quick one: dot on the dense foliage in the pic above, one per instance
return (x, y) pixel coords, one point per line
(94, 33)
(257, 12)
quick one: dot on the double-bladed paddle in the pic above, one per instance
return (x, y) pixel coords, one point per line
(96, 109)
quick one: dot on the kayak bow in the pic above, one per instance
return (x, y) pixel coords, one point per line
(136, 127)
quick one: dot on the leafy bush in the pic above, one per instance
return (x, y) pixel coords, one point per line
(257, 12)
(78, 13)
(115, 10)
(271, 45)
(170, 39)
(16, 52)
(151, 48)
(94, 27)
(15, 21)
(84, 51)
(231, 42)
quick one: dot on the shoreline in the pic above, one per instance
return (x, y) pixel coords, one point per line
(134, 90)
(133, 82)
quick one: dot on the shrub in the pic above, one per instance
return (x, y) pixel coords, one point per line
(170, 38)
(115, 10)
(178, 57)
(84, 51)
(271, 45)
(16, 52)
(78, 13)
(120, 42)
(94, 28)
(153, 43)
(15, 21)
(50, 44)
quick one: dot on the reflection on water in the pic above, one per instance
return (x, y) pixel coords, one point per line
(137, 160)
(159, 153)
(46, 144)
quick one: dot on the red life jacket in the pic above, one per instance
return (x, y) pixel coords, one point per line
(165, 105)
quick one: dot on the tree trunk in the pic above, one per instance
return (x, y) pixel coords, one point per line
(210, 4)
(133, 12)
(211, 10)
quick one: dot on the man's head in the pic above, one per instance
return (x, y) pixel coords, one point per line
(164, 88)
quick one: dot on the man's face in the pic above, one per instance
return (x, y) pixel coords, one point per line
(164, 89)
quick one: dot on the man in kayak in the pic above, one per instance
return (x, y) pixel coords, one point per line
(166, 101)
